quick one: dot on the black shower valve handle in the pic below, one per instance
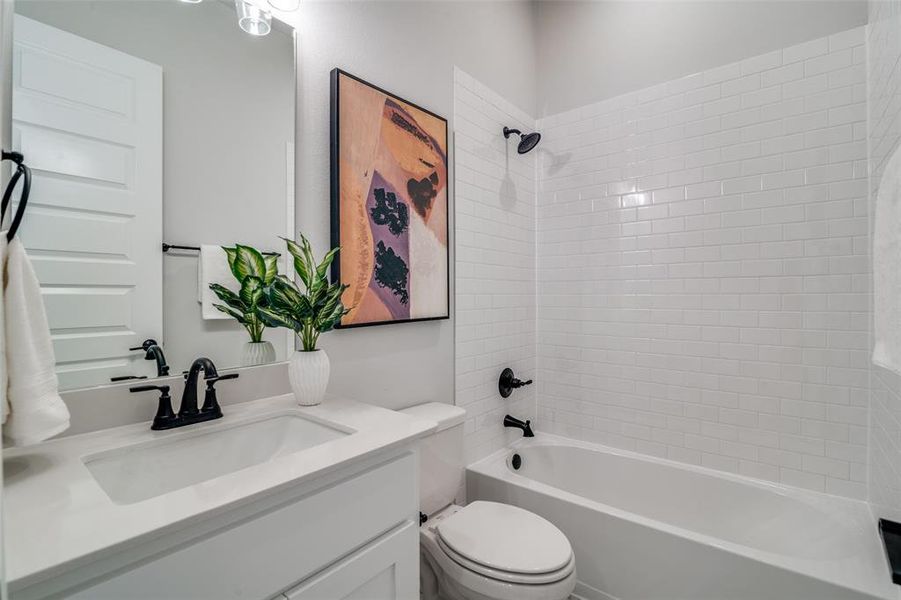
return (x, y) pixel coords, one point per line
(508, 382)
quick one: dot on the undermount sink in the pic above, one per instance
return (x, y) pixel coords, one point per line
(134, 473)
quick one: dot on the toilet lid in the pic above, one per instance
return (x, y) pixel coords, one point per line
(506, 538)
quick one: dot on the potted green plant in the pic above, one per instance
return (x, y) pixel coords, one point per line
(308, 311)
(254, 272)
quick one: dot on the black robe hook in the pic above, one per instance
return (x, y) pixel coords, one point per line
(21, 170)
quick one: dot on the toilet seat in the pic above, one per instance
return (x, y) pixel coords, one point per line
(507, 576)
(504, 538)
(462, 578)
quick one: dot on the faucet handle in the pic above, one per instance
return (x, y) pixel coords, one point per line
(210, 381)
(210, 402)
(165, 417)
(145, 345)
(508, 382)
(126, 378)
(147, 388)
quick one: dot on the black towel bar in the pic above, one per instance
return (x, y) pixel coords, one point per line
(167, 247)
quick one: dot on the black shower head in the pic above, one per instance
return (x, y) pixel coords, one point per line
(527, 141)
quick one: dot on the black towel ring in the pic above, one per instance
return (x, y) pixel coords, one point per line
(21, 169)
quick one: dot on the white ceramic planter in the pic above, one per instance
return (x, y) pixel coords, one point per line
(257, 353)
(308, 373)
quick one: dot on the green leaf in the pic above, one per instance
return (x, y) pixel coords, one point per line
(330, 299)
(310, 261)
(307, 249)
(300, 263)
(228, 296)
(275, 318)
(231, 254)
(248, 261)
(283, 294)
(322, 269)
(318, 294)
(237, 316)
(271, 261)
(328, 320)
(251, 292)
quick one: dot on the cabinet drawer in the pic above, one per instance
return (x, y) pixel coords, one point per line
(387, 569)
(260, 557)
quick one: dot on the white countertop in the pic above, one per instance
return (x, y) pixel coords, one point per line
(56, 516)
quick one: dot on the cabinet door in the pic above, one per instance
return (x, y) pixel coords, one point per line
(387, 569)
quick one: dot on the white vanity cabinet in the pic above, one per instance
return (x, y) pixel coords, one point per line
(354, 535)
(386, 569)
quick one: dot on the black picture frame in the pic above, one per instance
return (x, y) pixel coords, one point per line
(335, 221)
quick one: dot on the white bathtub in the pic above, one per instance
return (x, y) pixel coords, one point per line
(649, 529)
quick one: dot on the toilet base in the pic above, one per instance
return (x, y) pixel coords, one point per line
(435, 585)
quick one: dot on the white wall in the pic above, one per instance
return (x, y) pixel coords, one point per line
(228, 112)
(495, 275)
(6, 39)
(703, 268)
(410, 49)
(884, 137)
(589, 51)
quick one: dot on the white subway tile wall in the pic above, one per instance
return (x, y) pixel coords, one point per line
(703, 268)
(495, 263)
(884, 97)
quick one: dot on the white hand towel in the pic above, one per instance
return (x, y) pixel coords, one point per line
(212, 267)
(887, 268)
(36, 412)
(4, 380)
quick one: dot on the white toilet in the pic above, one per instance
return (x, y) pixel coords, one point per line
(485, 550)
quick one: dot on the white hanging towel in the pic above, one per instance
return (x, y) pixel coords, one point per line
(887, 268)
(212, 267)
(36, 412)
(4, 380)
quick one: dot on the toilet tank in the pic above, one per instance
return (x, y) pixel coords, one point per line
(440, 455)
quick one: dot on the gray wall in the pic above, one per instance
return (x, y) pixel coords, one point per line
(591, 51)
(409, 49)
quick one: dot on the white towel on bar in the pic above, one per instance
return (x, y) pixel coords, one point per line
(4, 380)
(212, 267)
(36, 411)
(887, 268)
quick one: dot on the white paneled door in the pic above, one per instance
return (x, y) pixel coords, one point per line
(89, 121)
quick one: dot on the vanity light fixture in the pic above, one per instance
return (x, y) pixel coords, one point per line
(192, 1)
(253, 18)
(285, 5)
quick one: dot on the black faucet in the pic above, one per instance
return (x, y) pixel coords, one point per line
(188, 406)
(188, 413)
(154, 352)
(526, 425)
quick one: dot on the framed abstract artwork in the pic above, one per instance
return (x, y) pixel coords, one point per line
(389, 205)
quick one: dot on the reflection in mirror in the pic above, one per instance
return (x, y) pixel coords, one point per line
(149, 122)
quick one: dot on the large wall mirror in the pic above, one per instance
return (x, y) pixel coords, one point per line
(148, 122)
